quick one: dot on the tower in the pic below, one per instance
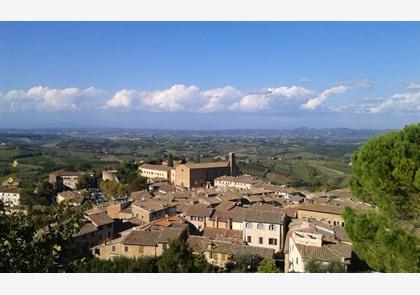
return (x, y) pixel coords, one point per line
(233, 170)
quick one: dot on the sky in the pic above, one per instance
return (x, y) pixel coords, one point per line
(209, 75)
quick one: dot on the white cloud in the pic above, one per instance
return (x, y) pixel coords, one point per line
(318, 100)
(400, 103)
(411, 85)
(177, 98)
(121, 99)
(218, 99)
(252, 103)
(306, 80)
(48, 99)
(269, 98)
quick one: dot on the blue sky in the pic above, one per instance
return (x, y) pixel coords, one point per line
(210, 75)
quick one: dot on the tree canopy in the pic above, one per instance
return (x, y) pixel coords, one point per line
(318, 267)
(268, 265)
(386, 173)
(39, 241)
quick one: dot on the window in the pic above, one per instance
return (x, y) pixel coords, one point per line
(200, 218)
(113, 248)
(260, 240)
(109, 234)
(248, 239)
(272, 227)
(100, 237)
(342, 224)
(126, 248)
(248, 225)
(272, 241)
(297, 261)
(260, 226)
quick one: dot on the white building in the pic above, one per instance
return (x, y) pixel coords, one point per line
(157, 172)
(243, 182)
(319, 243)
(265, 229)
(10, 197)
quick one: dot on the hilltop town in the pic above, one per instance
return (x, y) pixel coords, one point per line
(213, 208)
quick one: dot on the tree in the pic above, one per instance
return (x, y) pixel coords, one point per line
(201, 264)
(177, 258)
(39, 241)
(318, 267)
(127, 171)
(145, 264)
(86, 181)
(110, 188)
(137, 184)
(42, 194)
(386, 173)
(268, 265)
(170, 160)
(243, 263)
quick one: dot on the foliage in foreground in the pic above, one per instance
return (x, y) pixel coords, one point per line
(38, 241)
(318, 267)
(386, 173)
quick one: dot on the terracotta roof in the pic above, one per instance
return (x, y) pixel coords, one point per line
(171, 233)
(253, 215)
(99, 219)
(200, 210)
(139, 195)
(197, 243)
(153, 205)
(321, 208)
(207, 165)
(218, 233)
(155, 167)
(66, 173)
(142, 238)
(327, 252)
(71, 195)
(254, 198)
(87, 228)
(225, 205)
(238, 249)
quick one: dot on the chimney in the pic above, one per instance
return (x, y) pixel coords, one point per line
(232, 165)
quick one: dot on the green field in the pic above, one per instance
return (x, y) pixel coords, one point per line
(289, 158)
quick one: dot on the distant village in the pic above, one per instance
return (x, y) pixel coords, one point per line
(214, 209)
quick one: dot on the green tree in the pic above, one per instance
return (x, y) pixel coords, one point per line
(201, 264)
(127, 171)
(318, 267)
(170, 160)
(177, 258)
(110, 188)
(268, 265)
(145, 264)
(39, 241)
(386, 173)
(41, 194)
(137, 184)
(86, 181)
(244, 263)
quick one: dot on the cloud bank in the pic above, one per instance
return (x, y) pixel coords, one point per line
(179, 98)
